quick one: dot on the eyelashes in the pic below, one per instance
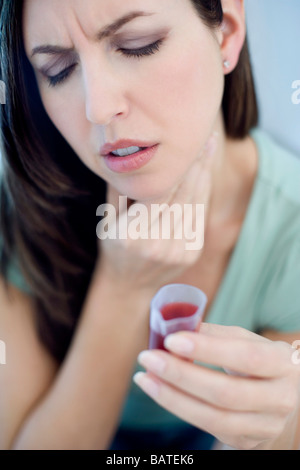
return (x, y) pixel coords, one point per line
(143, 51)
(139, 53)
(60, 77)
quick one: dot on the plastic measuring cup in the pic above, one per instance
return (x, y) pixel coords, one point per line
(175, 307)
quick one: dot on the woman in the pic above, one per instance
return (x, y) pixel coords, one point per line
(144, 78)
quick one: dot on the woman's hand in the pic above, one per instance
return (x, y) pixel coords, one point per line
(147, 262)
(259, 408)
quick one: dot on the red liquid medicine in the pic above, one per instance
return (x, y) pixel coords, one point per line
(178, 310)
(169, 312)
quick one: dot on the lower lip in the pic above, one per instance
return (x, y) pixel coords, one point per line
(131, 162)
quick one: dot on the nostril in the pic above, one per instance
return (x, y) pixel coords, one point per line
(100, 113)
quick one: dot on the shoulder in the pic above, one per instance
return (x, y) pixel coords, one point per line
(271, 235)
(278, 167)
(277, 220)
(276, 200)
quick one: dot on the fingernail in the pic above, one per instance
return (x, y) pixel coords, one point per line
(152, 361)
(179, 343)
(146, 384)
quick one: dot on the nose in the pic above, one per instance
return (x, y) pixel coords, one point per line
(104, 95)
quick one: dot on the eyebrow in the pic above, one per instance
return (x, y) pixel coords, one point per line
(104, 33)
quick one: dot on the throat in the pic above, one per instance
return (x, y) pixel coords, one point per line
(233, 184)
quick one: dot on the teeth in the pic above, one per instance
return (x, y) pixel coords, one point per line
(127, 151)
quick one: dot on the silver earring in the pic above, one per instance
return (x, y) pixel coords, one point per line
(226, 64)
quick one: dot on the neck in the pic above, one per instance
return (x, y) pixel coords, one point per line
(233, 176)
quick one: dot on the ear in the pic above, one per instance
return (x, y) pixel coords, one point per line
(232, 33)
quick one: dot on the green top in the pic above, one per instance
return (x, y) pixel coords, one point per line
(260, 287)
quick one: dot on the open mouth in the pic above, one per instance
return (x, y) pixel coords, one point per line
(126, 152)
(129, 159)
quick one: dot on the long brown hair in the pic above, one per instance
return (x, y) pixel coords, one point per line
(48, 197)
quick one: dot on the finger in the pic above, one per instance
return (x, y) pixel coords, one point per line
(213, 387)
(181, 405)
(253, 358)
(224, 331)
(213, 420)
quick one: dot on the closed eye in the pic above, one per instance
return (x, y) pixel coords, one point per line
(142, 51)
(60, 77)
(138, 53)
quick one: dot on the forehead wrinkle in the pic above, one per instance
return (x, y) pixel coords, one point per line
(113, 27)
(38, 30)
(104, 33)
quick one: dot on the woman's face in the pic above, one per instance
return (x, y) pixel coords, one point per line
(155, 78)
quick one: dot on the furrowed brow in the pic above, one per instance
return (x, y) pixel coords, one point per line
(104, 33)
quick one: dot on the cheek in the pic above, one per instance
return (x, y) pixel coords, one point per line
(189, 91)
(66, 114)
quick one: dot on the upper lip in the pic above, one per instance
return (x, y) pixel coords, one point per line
(106, 149)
